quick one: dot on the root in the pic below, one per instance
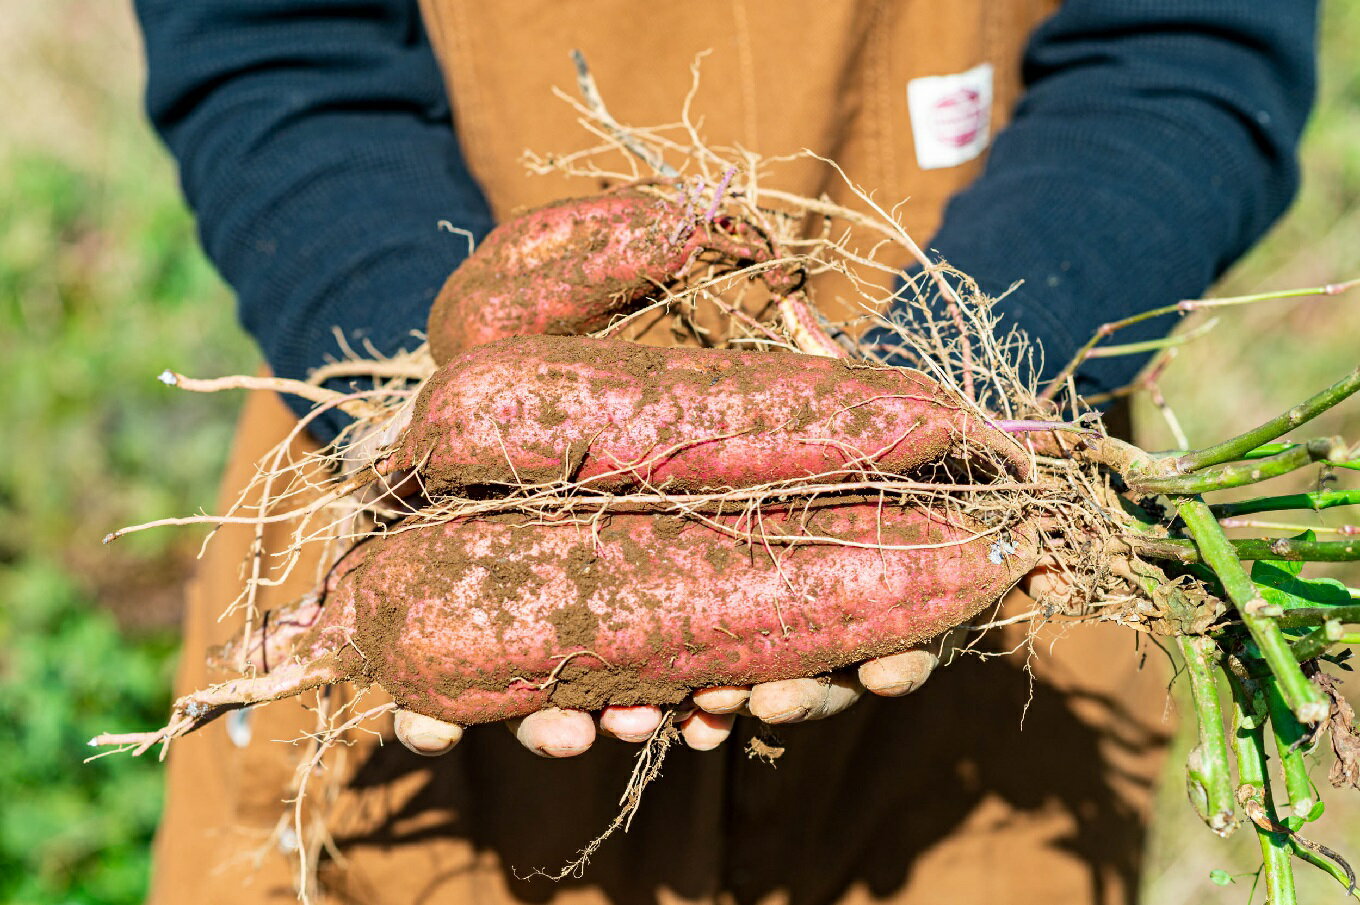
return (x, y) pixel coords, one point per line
(555, 676)
(197, 709)
(277, 384)
(311, 841)
(337, 494)
(646, 769)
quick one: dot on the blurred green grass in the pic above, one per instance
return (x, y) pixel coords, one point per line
(102, 286)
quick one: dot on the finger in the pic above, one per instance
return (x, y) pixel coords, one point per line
(630, 724)
(722, 698)
(391, 489)
(1044, 584)
(843, 690)
(898, 674)
(426, 735)
(795, 700)
(368, 444)
(951, 645)
(556, 732)
(704, 731)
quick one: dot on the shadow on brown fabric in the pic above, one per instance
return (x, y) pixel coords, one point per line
(855, 801)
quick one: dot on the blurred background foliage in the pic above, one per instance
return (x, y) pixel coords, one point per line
(102, 286)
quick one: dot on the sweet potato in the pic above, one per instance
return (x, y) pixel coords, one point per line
(481, 620)
(571, 266)
(617, 414)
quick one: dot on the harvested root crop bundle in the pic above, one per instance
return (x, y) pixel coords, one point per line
(570, 267)
(606, 523)
(479, 620)
(615, 415)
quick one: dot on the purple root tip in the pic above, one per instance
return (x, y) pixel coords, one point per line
(718, 194)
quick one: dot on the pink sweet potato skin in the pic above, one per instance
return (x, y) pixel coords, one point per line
(571, 266)
(543, 408)
(467, 621)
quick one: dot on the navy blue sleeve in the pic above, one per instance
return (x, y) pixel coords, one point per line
(314, 146)
(1155, 142)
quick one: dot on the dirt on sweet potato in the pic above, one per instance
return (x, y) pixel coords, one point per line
(570, 267)
(616, 415)
(635, 610)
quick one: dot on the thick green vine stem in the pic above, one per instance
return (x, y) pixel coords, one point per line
(1316, 501)
(1253, 793)
(1239, 446)
(1238, 474)
(1308, 704)
(1319, 615)
(1297, 550)
(1251, 548)
(1289, 735)
(1208, 774)
(1266, 450)
(1316, 642)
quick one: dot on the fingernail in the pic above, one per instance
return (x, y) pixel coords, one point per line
(792, 715)
(426, 736)
(706, 731)
(557, 733)
(898, 674)
(722, 698)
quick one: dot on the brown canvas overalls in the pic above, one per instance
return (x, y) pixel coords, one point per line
(937, 797)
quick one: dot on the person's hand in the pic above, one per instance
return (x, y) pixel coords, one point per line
(707, 719)
(391, 489)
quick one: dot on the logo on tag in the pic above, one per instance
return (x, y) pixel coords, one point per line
(950, 116)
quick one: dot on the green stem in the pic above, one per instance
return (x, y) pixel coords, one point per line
(1238, 474)
(1251, 548)
(1289, 527)
(1153, 345)
(1260, 452)
(1181, 307)
(1316, 642)
(1318, 615)
(1325, 866)
(1316, 501)
(1289, 735)
(1281, 424)
(1254, 793)
(1298, 550)
(1229, 301)
(1270, 449)
(1207, 773)
(1307, 703)
(1265, 449)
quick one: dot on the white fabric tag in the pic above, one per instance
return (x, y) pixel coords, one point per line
(950, 116)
